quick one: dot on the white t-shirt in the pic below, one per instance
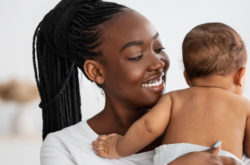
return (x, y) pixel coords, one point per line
(72, 146)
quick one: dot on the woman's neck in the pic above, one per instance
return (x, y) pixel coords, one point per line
(114, 118)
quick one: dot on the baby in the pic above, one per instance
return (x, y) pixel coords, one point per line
(211, 109)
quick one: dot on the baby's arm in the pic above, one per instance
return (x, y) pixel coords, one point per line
(247, 135)
(140, 134)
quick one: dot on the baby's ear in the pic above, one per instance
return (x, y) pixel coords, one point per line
(94, 70)
(239, 76)
(186, 77)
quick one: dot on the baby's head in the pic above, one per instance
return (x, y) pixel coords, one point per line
(213, 49)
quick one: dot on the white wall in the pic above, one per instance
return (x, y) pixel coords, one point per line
(173, 19)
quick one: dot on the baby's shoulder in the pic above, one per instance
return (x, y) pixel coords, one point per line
(177, 96)
(246, 103)
(179, 93)
(240, 102)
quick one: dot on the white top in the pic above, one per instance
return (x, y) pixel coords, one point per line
(72, 146)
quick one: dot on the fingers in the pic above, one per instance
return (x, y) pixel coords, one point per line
(112, 134)
(228, 160)
(222, 159)
(216, 148)
(101, 154)
(102, 137)
(99, 147)
(98, 144)
(105, 146)
(214, 151)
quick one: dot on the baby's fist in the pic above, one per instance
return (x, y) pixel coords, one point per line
(105, 146)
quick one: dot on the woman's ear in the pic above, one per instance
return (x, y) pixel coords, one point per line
(239, 76)
(94, 70)
(186, 78)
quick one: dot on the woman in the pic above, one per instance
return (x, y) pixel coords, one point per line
(119, 50)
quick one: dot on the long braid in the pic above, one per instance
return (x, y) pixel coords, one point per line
(64, 39)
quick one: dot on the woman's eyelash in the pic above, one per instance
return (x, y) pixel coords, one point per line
(135, 58)
(159, 50)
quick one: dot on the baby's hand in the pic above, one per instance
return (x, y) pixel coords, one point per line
(105, 146)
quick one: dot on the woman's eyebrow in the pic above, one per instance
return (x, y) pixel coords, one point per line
(136, 43)
(131, 43)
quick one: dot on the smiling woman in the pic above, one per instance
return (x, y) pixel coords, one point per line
(131, 58)
(119, 50)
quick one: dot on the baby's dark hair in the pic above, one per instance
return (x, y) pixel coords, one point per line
(65, 38)
(212, 49)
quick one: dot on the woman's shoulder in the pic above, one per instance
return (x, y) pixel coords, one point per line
(75, 137)
(72, 145)
(79, 131)
(64, 145)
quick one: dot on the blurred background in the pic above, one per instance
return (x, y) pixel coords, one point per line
(20, 117)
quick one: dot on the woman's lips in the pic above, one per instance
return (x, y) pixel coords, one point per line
(155, 80)
(153, 83)
(156, 84)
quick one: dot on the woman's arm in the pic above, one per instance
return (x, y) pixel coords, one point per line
(246, 144)
(208, 157)
(140, 134)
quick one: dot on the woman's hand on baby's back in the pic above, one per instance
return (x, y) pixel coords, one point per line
(208, 157)
(105, 146)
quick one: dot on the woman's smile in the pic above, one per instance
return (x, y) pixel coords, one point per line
(155, 83)
(135, 62)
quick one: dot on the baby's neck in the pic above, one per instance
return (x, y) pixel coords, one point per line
(214, 81)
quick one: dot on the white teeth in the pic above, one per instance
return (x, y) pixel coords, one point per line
(153, 83)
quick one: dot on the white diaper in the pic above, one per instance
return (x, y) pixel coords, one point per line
(166, 153)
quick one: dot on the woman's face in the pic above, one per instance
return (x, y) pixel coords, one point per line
(134, 64)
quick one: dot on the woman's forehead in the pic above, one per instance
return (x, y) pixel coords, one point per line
(126, 27)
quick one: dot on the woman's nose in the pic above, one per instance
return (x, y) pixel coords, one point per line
(156, 63)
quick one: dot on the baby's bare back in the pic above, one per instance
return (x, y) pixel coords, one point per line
(204, 116)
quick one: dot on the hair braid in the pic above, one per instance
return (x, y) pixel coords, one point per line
(63, 40)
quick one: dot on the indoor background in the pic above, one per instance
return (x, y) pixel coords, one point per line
(20, 117)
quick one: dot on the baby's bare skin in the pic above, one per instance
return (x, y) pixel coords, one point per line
(214, 115)
(105, 146)
(202, 115)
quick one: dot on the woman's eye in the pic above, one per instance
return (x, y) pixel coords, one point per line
(135, 58)
(159, 50)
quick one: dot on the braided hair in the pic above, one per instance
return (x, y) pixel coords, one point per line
(62, 42)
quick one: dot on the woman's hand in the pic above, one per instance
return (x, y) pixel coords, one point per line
(208, 157)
